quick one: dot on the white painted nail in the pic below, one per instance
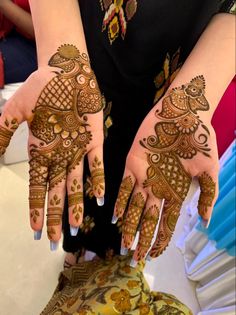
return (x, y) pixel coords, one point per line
(100, 201)
(133, 263)
(123, 251)
(73, 230)
(53, 246)
(148, 258)
(208, 223)
(114, 219)
(37, 235)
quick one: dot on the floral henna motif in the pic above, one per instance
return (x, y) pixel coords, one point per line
(54, 215)
(180, 134)
(75, 200)
(132, 219)
(6, 133)
(126, 188)
(208, 188)
(60, 122)
(97, 175)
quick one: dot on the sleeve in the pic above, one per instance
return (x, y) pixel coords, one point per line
(228, 6)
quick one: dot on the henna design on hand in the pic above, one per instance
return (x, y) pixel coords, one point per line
(6, 132)
(54, 215)
(60, 123)
(207, 195)
(179, 134)
(98, 177)
(75, 200)
(125, 190)
(147, 229)
(132, 218)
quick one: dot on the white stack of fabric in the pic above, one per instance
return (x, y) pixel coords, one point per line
(210, 255)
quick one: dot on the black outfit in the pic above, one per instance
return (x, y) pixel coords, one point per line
(131, 67)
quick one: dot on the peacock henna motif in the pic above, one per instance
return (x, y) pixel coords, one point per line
(126, 188)
(54, 215)
(132, 218)
(179, 135)
(75, 200)
(207, 195)
(97, 175)
(6, 132)
(60, 123)
(148, 226)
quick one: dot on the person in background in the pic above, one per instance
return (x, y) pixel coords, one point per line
(17, 46)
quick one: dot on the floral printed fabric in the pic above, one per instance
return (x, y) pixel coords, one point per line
(109, 288)
(117, 15)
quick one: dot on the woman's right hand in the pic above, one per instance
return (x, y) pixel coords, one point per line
(63, 107)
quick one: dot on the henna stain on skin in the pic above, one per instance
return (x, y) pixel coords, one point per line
(75, 199)
(98, 177)
(208, 189)
(60, 123)
(6, 132)
(180, 135)
(132, 218)
(125, 190)
(54, 215)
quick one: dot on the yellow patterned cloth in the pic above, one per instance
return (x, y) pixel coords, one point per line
(109, 288)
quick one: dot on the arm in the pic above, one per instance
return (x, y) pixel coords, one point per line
(176, 142)
(17, 16)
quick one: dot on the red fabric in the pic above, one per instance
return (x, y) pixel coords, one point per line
(24, 4)
(223, 119)
(5, 25)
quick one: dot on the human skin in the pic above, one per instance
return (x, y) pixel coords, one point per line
(19, 17)
(164, 142)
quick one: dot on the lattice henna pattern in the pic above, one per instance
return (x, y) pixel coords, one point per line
(179, 135)
(60, 122)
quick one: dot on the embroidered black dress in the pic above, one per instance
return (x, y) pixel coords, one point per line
(136, 48)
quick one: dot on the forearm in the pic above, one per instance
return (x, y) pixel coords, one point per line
(56, 23)
(214, 58)
(17, 16)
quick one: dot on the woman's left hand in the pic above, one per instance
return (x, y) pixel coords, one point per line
(175, 143)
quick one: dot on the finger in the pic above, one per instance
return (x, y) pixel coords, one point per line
(132, 219)
(96, 166)
(56, 198)
(124, 194)
(75, 198)
(208, 195)
(147, 229)
(38, 173)
(168, 219)
(7, 129)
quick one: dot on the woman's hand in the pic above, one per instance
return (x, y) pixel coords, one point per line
(63, 107)
(174, 144)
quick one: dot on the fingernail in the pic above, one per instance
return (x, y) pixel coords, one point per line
(100, 201)
(73, 230)
(114, 219)
(53, 246)
(133, 263)
(206, 223)
(37, 235)
(148, 258)
(123, 251)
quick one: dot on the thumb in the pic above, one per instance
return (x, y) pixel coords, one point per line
(96, 166)
(208, 194)
(10, 119)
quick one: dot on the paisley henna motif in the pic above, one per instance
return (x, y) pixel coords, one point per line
(179, 135)
(60, 123)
